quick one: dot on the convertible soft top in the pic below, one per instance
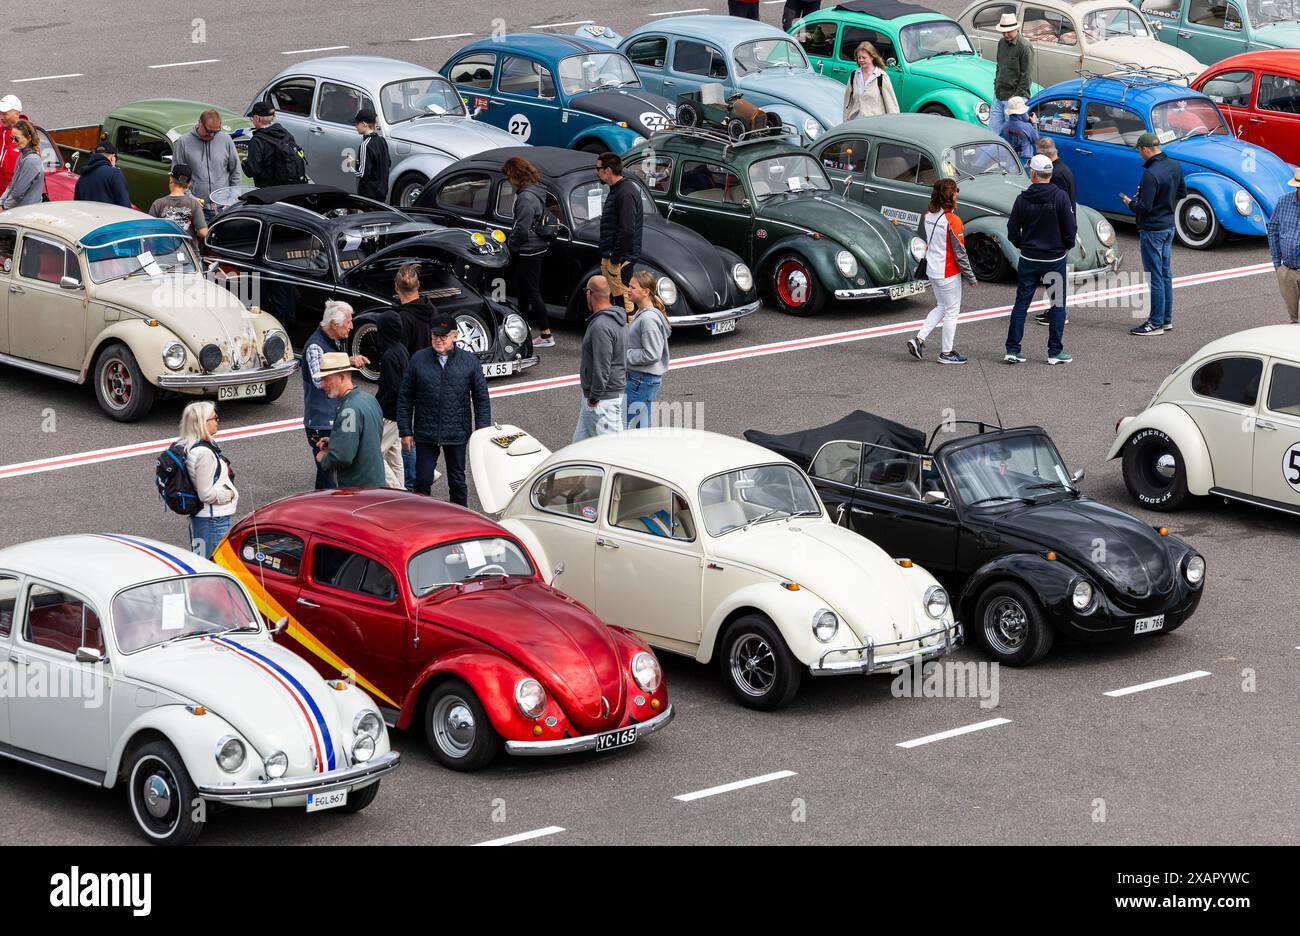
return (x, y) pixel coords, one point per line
(859, 426)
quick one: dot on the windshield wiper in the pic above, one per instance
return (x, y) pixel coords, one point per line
(763, 516)
(1000, 497)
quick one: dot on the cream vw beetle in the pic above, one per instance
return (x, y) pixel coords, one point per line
(131, 662)
(90, 291)
(1226, 423)
(715, 548)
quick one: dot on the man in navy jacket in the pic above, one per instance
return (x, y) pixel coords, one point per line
(1043, 226)
(1157, 198)
(101, 180)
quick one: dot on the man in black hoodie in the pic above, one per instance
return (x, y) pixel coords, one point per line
(417, 311)
(1043, 226)
(101, 180)
(274, 157)
(394, 358)
(621, 221)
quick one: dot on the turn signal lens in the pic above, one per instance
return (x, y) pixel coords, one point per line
(1050, 557)
(499, 235)
(1163, 531)
(905, 563)
(478, 239)
(790, 586)
(537, 731)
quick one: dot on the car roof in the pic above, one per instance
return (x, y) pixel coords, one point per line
(1131, 91)
(168, 113)
(720, 30)
(1286, 61)
(684, 457)
(931, 131)
(72, 220)
(1282, 341)
(364, 70)
(889, 9)
(541, 44)
(549, 160)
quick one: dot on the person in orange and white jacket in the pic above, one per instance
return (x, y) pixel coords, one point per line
(946, 265)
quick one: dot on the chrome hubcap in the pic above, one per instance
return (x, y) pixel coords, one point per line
(473, 337)
(410, 195)
(157, 796)
(1198, 220)
(796, 283)
(753, 665)
(1005, 625)
(453, 726)
(1166, 466)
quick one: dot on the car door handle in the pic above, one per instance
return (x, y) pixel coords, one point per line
(317, 130)
(608, 544)
(1083, 152)
(307, 604)
(1257, 120)
(17, 289)
(15, 658)
(1265, 425)
(1184, 34)
(863, 511)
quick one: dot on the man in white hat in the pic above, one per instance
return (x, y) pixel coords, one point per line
(353, 451)
(11, 111)
(1015, 65)
(1284, 248)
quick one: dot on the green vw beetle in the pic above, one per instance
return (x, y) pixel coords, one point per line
(769, 201)
(890, 163)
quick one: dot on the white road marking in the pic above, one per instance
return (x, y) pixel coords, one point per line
(48, 77)
(523, 836)
(558, 25)
(328, 48)
(1155, 684)
(447, 36)
(180, 64)
(738, 785)
(953, 732)
(681, 12)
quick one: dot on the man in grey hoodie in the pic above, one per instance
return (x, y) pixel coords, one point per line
(212, 159)
(604, 369)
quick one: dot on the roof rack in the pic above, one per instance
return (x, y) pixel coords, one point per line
(1136, 77)
(764, 135)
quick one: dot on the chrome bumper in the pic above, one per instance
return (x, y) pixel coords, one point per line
(227, 378)
(879, 292)
(586, 742)
(301, 786)
(875, 661)
(722, 315)
(1111, 267)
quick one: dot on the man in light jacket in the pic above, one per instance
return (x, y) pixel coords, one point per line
(604, 365)
(210, 153)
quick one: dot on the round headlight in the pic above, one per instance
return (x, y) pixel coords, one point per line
(499, 235)
(230, 754)
(274, 346)
(1242, 202)
(918, 249)
(982, 111)
(516, 328)
(744, 279)
(210, 357)
(846, 262)
(667, 290)
(174, 355)
(825, 624)
(646, 671)
(530, 697)
(1081, 597)
(363, 749)
(276, 764)
(1195, 570)
(368, 723)
(812, 129)
(1105, 232)
(936, 601)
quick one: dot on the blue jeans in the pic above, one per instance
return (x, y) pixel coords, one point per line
(1030, 273)
(206, 533)
(408, 469)
(1157, 260)
(997, 116)
(638, 398)
(605, 418)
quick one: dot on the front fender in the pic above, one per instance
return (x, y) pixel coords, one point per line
(790, 611)
(193, 736)
(145, 343)
(1174, 422)
(1049, 581)
(1219, 190)
(960, 103)
(492, 677)
(995, 226)
(614, 138)
(820, 255)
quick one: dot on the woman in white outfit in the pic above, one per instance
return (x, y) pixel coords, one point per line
(869, 92)
(211, 475)
(946, 265)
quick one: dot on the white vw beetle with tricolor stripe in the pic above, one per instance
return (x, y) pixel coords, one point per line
(131, 661)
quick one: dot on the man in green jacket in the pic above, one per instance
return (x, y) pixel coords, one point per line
(353, 451)
(1015, 67)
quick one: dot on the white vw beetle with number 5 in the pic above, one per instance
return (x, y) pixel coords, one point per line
(715, 548)
(1226, 423)
(130, 661)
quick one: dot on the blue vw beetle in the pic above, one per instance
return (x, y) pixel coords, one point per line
(679, 54)
(564, 91)
(1232, 186)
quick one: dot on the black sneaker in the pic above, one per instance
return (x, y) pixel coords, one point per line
(1146, 328)
(916, 347)
(1044, 318)
(952, 357)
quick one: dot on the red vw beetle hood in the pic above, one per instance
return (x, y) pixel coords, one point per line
(561, 644)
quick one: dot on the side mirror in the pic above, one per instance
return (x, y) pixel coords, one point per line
(475, 112)
(279, 626)
(167, 158)
(745, 203)
(69, 282)
(557, 571)
(934, 497)
(72, 163)
(1077, 476)
(891, 63)
(89, 655)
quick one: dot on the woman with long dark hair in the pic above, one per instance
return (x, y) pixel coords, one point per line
(946, 265)
(28, 183)
(528, 247)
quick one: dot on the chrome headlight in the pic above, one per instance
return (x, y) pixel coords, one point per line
(918, 249)
(276, 764)
(1105, 232)
(847, 263)
(530, 697)
(825, 624)
(982, 111)
(1242, 202)
(230, 753)
(936, 601)
(174, 355)
(646, 671)
(1195, 570)
(516, 328)
(744, 279)
(367, 723)
(274, 345)
(667, 290)
(1081, 596)
(812, 129)
(363, 749)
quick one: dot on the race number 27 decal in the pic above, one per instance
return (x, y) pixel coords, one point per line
(1291, 466)
(520, 126)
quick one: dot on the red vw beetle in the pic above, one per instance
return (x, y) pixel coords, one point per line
(1259, 94)
(444, 618)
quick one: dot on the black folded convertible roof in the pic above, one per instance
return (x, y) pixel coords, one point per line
(885, 9)
(859, 426)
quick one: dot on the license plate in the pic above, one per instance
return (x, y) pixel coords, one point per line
(1147, 625)
(721, 328)
(241, 392)
(318, 801)
(615, 739)
(907, 289)
(500, 369)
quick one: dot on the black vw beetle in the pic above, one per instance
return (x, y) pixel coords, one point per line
(994, 516)
(700, 284)
(291, 248)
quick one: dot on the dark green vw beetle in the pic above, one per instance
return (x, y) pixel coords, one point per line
(769, 201)
(891, 162)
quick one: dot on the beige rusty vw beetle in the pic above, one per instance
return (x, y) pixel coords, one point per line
(94, 292)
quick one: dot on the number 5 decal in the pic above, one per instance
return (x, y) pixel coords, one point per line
(1291, 466)
(519, 125)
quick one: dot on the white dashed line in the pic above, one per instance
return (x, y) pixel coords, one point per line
(558, 25)
(48, 77)
(1155, 684)
(953, 732)
(182, 64)
(328, 48)
(447, 36)
(523, 836)
(738, 785)
(682, 12)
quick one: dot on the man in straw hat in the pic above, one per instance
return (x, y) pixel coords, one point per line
(353, 449)
(1015, 64)
(1284, 248)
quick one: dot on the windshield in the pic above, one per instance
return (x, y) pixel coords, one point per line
(153, 255)
(752, 495)
(587, 200)
(406, 100)
(597, 70)
(936, 37)
(459, 562)
(1186, 117)
(1263, 12)
(983, 158)
(762, 54)
(1112, 23)
(1007, 470)
(147, 615)
(795, 172)
(50, 157)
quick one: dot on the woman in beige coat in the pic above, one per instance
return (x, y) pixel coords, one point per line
(869, 91)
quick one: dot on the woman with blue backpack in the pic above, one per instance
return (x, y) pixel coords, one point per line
(210, 475)
(529, 241)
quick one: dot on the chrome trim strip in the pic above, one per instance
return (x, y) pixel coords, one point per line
(950, 639)
(53, 764)
(228, 378)
(586, 742)
(315, 783)
(49, 370)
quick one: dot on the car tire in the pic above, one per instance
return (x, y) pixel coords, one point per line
(735, 128)
(688, 115)
(1011, 625)
(360, 799)
(120, 386)
(757, 666)
(162, 796)
(1196, 224)
(459, 732)
(365, 342)
(274, 390)
(938, 109)
(408, 189)
(794, 287)
(1154, 471)
(987, 261)
(595, 147)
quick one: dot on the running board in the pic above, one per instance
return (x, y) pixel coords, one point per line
(53, 764)
(1256, 501)
(49, 370)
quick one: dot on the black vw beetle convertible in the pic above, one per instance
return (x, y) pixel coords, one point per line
(995, 517)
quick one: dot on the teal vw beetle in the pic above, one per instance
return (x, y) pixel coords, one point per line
(1212, 30)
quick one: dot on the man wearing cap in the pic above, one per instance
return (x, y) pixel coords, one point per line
(372, 163)
(11, 111)
(210, 153)
(1042, 226)
(273, 154)
(1019, 129)
(179, 206)
(1158, 195)
(1015, 65)
(101, 180)
(434, 414)
(1284, 248)
(351, 452)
